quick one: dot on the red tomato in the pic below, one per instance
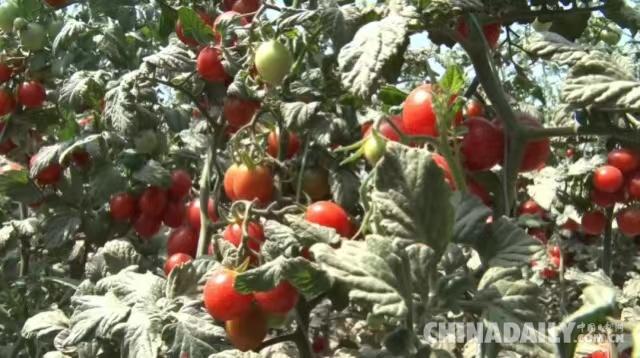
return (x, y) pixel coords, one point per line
(478, 190)
(173, 215)
(626, 160)
(221, 299)
(48, 175)
(189, 41)
(532, 208)
(571, 225)
(554, 251)
(183, 240)
(330, 214)
(608, 179)
(483, 145)
(628, 220)
(549, 273)
(279, 300)
(146, 226)
(153, 201)
(593, 223)
(273, 144)
(31, 94)
(6, 145)
(180, 185)
(228, 4)
(209, 65)
(570, 153)
(246, 333)
(5, 73)
(598, 354)
(81, 159)
(607, 200)
(418, 113)
(238, 112)
(474, 108)
(315, 183)
(233, 234)
(246, 6)
(193, 213)
(227, 16)
(319, 344)
(386, 130)
(56, 3)
(539, 234)
(633, 186)
(175, 260)
(7, 103)
(244, 183)
(122, 206)
(442, 163)
(536, 152)
(491, 32)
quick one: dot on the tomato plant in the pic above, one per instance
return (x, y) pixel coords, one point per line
(628, 220)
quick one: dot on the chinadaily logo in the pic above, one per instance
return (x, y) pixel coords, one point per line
(528, 332)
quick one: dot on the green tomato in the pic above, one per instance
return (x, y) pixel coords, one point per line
(610, 37)
(374, 148)
(53, 28)
(273, 62)
(146, 142)
(8, 12)
(33, 37)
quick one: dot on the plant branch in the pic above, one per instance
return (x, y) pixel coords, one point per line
(205, 178)
(276, 340)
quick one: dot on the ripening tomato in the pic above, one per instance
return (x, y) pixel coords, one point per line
(81, 159)
(478, 190)
(628, 220)
(146, 226)
(247, 332)
(571, 225)
(242, 182)
(238, 112)
(221, 299)
(530, 207)
(180, 185)
(246, 6)
(7, 103)
(482, 146)
(536, 152)
(273, 145)
(174, 261)
(279, 300)
(233, 234)
(633, 186)
(608, 179)
(386, 130)
(31, 94)
(173, 215)
(315, 183)
(190, 41)
(474, 108)
(570, 152)
(48, 175)
(193, 213)
(491, 32)
(56, 3)
(209, 65)
(607, 200)
(153, 201)
(442, 163)
(374, 147)
(626, 160)
(273, 60)
(418, 113)
(183, 240)
(330, 214)
(122, 206)
(5, 73)
(593, 223)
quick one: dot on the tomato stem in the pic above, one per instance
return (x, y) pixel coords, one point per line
(205, 178)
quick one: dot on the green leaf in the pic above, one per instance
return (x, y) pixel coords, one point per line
(598, 302)
(636, 341)
(106, 181)
(70, 32)
(193, 26)
(410, 199)
(153, 173)
(167, 22)
(299, 115)
(196, 333)
(113, 257)
(46, 156)
(280, 238)
(554, 47)
(60, 226)
(182, 281)
(345, 187)
(119, 110)
(470, 218)
(171, 58)
(391, 95)
(83, 88)
(309, 233)
(507, 245)
(306, 277)
(143, 333)
(373, 271)
(95, 316)
(8, 238)
(133, 288)
(15, 184)
(44, 324)
(453, 79)
(374, 48)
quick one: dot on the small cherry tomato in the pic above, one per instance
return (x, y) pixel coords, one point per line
(279, 300)
(173, 215)
(628, 220)
(175, 260)
(183, 240)
(593, 223)
(221, 299)
(332, 215)
(474, 108)
(193, 213)
(31, 94)
(249, 183)
(483, 144)
(180, 185)
(606, 200)
(626, 160)
(238, 112)
(209, 65)
(608, 179)
(7, 103)
(233, 234)
(122, 206)
(530, 207)
(273, 145)
(246, 333)
(146, 225)
(153, 201)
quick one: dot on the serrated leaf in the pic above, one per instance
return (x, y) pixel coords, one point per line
(362, 61)
(83, 88)
(95, 316)
(171, 58)
(345, 187)
(598, 302)
(391, 95)
(554, 47)
(310, 233)
(46, 156)
(120, 100)
(182, 281)
(470, 218)
(546, 184)
(193, 26)
(61, 226)
(453, 79)
(142, 336)
(119, 254)
(410, 199)
(106, 181)
(196, 333)
(372, 270)
(153, 173)
(8, 238)
(133, 288)
(70, 31)
(299, 115)
(507, 245)
(44, 323)
(306, 277)
(279, 239)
